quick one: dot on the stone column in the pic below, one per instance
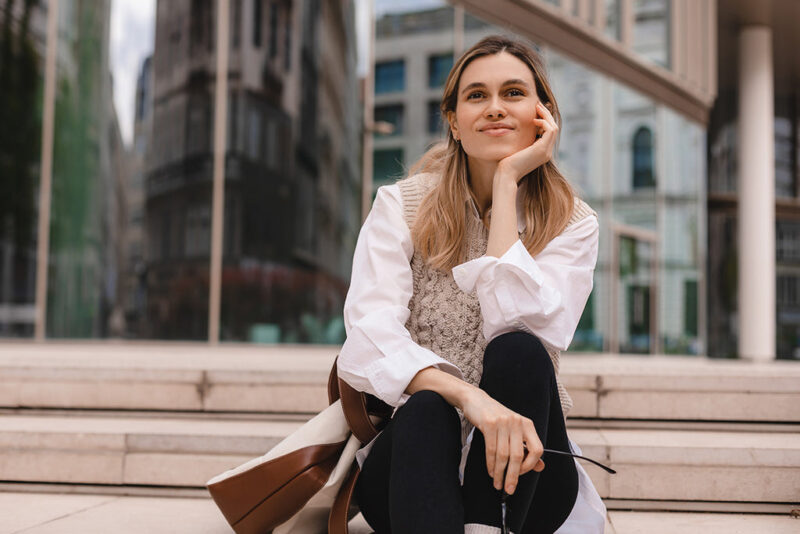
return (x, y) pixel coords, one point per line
(756, 156)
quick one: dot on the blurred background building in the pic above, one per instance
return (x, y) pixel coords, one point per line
(657, 98)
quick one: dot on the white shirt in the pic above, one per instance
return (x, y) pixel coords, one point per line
(544, 295)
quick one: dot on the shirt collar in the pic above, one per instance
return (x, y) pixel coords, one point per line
(473, 208)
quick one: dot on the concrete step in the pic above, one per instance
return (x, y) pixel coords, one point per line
(285, 379)
(53, 513)
(49, 513)
(658, 465)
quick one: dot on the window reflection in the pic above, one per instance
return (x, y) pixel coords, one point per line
(292, 174)
(608, 126)
(439, 67)
(612, 27)
(651, 30)
(23, 28)
(390, 76)
(393, 114)
(643, 175)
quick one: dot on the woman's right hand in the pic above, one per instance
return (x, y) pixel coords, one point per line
(512, 445)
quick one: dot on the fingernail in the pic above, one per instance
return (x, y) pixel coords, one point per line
(510, 489)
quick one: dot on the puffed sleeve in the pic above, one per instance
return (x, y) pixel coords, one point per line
(544, 295)
(379, 356)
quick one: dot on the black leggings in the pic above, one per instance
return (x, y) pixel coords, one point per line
(409, 482)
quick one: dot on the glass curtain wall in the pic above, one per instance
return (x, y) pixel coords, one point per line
(293, 171)
(413, 56)
(641, 166)
(23, 36)
(133, 156)
(132, 168)
(725, 136)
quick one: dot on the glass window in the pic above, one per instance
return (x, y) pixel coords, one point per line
(682, 235)
(651, 30)
(287, 39)
(236, 23)
(784, 150)
(608, 151)
(613, 26)
(258, 16)
(111, 275)
(723, 285)
(436, 123)
(273, 29)
(393, 114)
(292, 182)
(387, 166)
(643, 175)
(22, 41)
(787, 237)
(438, 68)
(390, 76)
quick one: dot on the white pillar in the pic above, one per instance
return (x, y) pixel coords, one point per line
(756, 155)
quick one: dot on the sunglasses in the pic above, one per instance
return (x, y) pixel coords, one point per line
(504, 495)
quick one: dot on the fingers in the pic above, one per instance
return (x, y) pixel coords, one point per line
(490, 444)
(535, 449)
(501, 456)
(516, 455)
(546, 125)
(545, 113)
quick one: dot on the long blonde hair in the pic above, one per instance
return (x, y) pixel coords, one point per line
(439, 231)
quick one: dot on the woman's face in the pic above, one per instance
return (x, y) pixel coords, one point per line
(495, 107)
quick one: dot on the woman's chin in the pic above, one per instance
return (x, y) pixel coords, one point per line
(492, 153)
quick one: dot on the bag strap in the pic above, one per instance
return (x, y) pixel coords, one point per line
(338, 518)
(357, 406)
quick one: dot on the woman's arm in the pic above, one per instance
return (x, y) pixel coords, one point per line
(510, 170)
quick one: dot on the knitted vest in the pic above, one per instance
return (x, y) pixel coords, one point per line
(445, 319)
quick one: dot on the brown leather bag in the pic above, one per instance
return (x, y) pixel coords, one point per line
(259, 499)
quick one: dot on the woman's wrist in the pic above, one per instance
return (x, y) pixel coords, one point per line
(454, 390)
(504, 181)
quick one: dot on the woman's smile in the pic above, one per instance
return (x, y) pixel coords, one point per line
(497, 131)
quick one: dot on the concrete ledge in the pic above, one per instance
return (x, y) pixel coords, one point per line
(45, 513)
(292, 379)
(651, 464)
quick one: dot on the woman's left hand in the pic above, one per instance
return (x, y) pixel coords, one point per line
(519, 164)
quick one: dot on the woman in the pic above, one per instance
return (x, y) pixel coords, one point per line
(468, 279)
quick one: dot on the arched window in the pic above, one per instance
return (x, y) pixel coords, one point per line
(643, 175)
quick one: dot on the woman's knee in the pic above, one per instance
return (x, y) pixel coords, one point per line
(517, 354)
(427, 412)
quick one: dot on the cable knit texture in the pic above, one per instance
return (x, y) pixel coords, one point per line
(447, 320)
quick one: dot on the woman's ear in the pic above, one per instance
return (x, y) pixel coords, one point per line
(451, 120)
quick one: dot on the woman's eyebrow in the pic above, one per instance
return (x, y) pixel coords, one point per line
(475, 85)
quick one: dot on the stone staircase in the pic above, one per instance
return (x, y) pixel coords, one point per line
(683, 433)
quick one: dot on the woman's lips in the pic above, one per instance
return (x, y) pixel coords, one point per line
(496, 132)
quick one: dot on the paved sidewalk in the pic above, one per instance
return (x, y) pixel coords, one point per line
(51, 513)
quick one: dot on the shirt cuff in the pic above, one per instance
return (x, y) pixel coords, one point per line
(391, 375)
(470, 273)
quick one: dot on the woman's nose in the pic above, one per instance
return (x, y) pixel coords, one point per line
(494, 108)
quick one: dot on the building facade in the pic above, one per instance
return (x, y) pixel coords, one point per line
(108, 225)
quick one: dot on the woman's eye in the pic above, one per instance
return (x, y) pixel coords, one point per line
(516, 92)
(474, 94)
